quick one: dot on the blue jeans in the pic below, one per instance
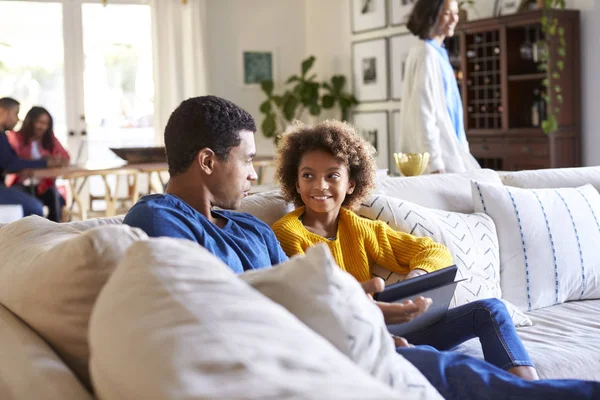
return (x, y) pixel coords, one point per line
(51, 198)
(488, 320)
(30, 204)
(457, 376)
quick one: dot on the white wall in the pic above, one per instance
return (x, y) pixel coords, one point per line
(237, 25)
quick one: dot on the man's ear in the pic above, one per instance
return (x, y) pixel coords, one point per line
(206, 160)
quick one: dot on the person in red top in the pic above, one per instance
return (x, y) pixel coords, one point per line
(35, 141)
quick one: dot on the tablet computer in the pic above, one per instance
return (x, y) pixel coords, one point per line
(417, 286)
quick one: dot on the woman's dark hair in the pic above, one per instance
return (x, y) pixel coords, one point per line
(336, 138)
(199, 122)
(28, 127)
(424, 16)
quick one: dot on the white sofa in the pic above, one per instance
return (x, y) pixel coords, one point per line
(46, 358)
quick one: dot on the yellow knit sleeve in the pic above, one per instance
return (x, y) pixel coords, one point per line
(402, 252)
(292, 242)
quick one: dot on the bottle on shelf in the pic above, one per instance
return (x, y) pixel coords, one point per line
(471, 53)
(535, 109)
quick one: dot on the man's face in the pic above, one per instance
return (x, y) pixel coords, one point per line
(9, 118)
(233, 177)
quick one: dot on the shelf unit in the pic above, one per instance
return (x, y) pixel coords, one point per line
(496, 64)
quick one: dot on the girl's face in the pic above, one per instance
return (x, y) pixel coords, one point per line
(448, 19)
(323, 182)
(40, 126)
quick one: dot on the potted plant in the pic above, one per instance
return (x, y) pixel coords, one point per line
(463, 15)
(302, 93)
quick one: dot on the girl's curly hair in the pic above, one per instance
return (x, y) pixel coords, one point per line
(340, 140)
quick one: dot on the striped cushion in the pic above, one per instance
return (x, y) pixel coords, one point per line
(549, 241)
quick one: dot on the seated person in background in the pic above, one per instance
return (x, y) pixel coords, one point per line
(10, 162)
(210, 144)
(35, 141)
(328, 170)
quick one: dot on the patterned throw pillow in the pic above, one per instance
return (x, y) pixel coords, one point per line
(471, 238)
(548, 242)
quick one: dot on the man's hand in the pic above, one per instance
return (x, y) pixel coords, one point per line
(396, 313)
(415, 272)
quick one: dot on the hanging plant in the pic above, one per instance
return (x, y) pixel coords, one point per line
(552, 62)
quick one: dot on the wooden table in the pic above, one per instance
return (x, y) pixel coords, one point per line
(77, 176)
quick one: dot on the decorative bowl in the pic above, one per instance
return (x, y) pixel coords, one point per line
(411, 164)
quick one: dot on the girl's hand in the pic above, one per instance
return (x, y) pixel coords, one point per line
(415, 272)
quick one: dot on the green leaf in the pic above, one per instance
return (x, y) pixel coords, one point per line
(545, 82)
(312, 77)
(314, 109)
(338, 82)
(277, 100)
(559, 99)
(555, 75)
(289, 108)
(327, 86)
(561, 31)
(542, 67)
(557, 89)
(269, 126)
(328, 101)
(307, 64)
(560, 64)
(267, 86)
(562, 52)
(266, 107)
(293, 78)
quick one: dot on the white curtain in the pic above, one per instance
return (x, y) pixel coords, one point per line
(180, 68)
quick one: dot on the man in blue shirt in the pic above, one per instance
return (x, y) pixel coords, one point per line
(9, 162)
(210, 145)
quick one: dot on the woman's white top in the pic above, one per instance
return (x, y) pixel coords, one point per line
(426, 124)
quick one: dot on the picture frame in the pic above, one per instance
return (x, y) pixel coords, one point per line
(368, 15)
(373, 126)
(395, 132)
(370, 70)
(507, 7)
(400, 11)
(257, 65)
(399, 45)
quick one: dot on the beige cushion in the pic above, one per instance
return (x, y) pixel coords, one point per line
(553, 178)
(332, 303)
(30, 369)
(174, 322)
(95, 222)
(267, 206)
(51, 275)
(450, 192)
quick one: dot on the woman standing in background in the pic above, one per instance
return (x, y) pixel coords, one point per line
(36, 141)
(431, 111)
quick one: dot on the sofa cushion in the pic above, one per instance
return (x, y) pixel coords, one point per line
(332, 303)
(450, 192)
(548, 242)
(30, 369)
(471, 238)
(553, 178)
(174, 322)
(95, 222)
(51, 275)
(563, 342)
(266, 206)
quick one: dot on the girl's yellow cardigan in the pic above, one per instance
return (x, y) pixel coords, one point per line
(361, 243)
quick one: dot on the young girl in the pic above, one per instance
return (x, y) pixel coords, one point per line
(35, 141)
(327, 170)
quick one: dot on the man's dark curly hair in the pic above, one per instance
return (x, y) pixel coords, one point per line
(340, 140)
(201, 122)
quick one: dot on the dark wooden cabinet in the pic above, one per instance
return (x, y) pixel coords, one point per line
(496, 62)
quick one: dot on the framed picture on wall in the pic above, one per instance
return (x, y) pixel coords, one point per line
(394, 135)
(370, 70)
(400, 11)
(399, 48)
(373, 126)
(368, 15)
(257, 66)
